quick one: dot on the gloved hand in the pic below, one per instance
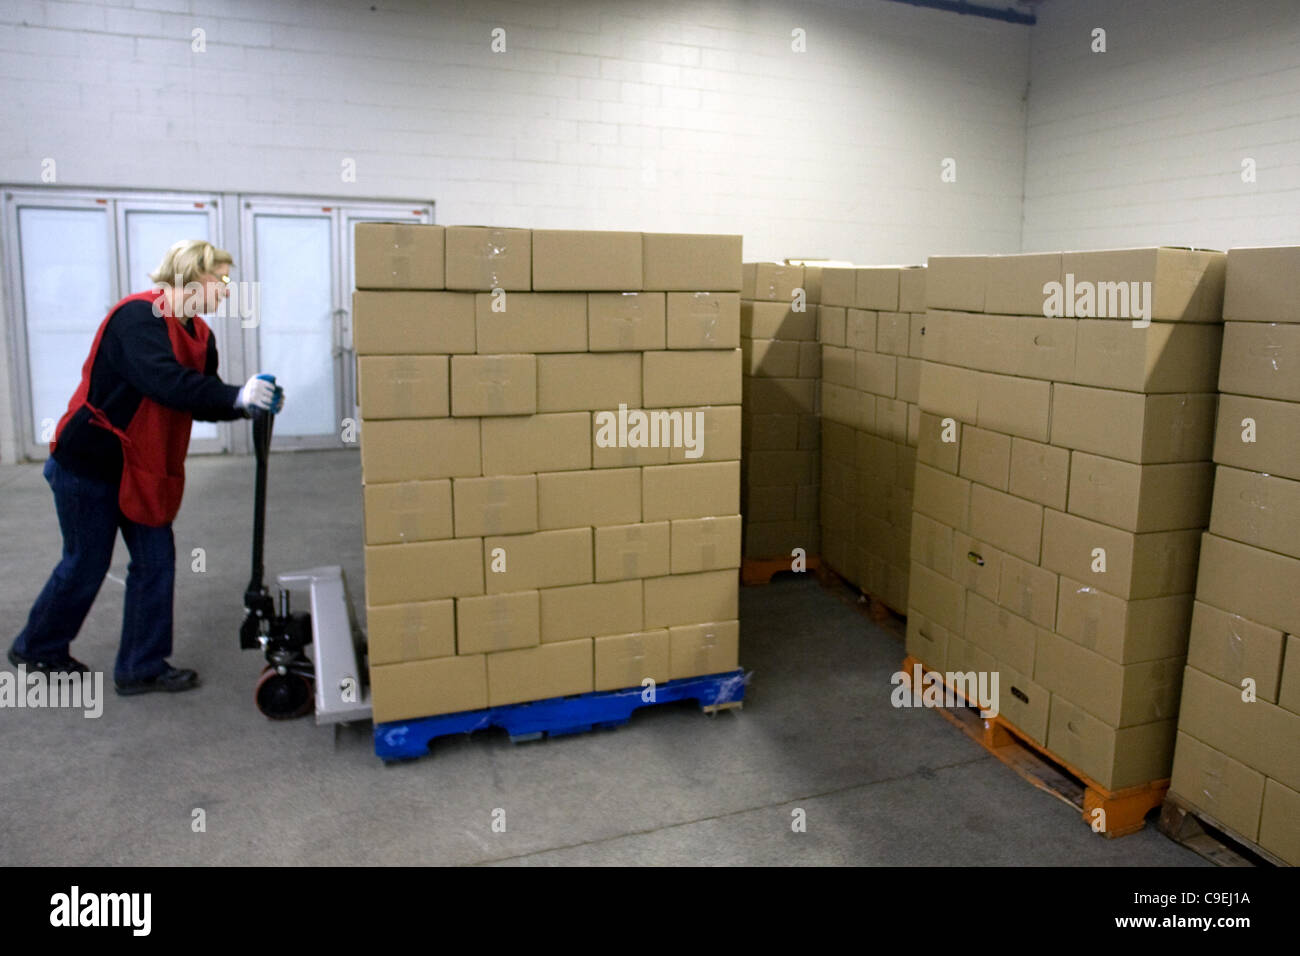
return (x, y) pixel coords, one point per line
(260, 391)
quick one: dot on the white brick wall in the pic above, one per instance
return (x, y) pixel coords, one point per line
(1143, 144)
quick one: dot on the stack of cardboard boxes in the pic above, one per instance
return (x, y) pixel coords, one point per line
(531, 532)
(1062, 484)
(780, 467)
(1237, 759)
(869, 325)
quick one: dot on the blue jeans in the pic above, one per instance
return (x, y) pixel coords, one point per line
(89, 519)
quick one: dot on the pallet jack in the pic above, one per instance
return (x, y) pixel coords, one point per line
(335, 683)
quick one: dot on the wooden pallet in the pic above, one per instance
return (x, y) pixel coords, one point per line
(1125, 810)
(1205, 836)
(881, 613)
(762, 570)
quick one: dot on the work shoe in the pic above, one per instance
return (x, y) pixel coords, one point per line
(69, 665)
(172, 680)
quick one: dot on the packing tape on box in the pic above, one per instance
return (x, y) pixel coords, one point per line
(703, 650)
(498, 626)
(494, 246)
(407, 510)
(411, 627)
(1089, 637)
(631, 552)
(494, 507)
(1212, 784)
(705, 308)
(405, 382)
(495, 382)
(1236, 644)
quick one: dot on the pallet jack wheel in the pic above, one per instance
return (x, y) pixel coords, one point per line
(283, 696)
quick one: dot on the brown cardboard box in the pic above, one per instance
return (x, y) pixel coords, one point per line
(1039, 472)
(1025, 704)
(626, 321)
(690, 263)
(1009, 638)
(771, 432)
(911, 289)
(412, 323)
(1006, 522)
(860, 329)
(403, 386)
(916, 334)
(716, 434)
(594, 382)
(927, 641)
(483, 258)
(986, 458)
(1141, 497)
(408, 511)
(1126, 632)
(939, 598)
(690, 491)
(1263, 584)
(839, 287)
(1228, 791)
(483, 385)
(576, 499)
(1115, 759)
(711, 648)
(415, 689)
(1278, 832)
(1014, 284)
(956, 282)
(423, 571)
(705, 544)
(497, 622)
(771, 357)
(909, 381)
(527, 444)
(1136, 565)
(891, 419)
(876, 288)
(1015, 406)
(943, 497)
(544, 559)
(810, 360)
(390, 255)
(1120, 695)
(411, 632)
(1288, 694)
(1276, 434)
(590, 610)
(703, 320)
(1027, 590)
(932, 450)
(419, 448)
(1158, 358)
(1146, 429)
(812, 282)
(691, 598)
(1262, 360)
(779, 395)
(875, 373)
(976, 565)
(838, 366)
(941, 340)
(965, 656)
(1186, 284)
(770, 281)
(527, 322)
(632, 551)
(1232, 648)
(1259, 734)
(832, 325)
(777, 320)
(931, 544)
(499, 505)
(876, 457)
(626, 660)
(781, 468)
(777, 539)
(691, 378)
(949, 391)
(1263, 285)
(839, 442)
(606, 453)
(538, 673)
(905, 473)
(589, 261)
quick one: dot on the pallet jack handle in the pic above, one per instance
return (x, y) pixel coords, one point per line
(258, 604)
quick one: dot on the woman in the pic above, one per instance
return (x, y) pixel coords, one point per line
(118, 461)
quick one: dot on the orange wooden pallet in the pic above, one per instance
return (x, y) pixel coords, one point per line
(762, 570)
(1124, 810)
(1207, 837)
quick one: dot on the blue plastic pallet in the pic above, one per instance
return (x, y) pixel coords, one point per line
(405, 739)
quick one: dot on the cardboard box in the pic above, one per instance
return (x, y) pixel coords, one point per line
(483, 258)
(447, 685)
(777, 539)
(876, 287)
(905, 474)
(943, 497)
(1161, 357)
(594, 382)
(926, 641)
(391, 255)
(1126, 632)
(839, 442)
(860, 329)
(931, 544)
(1232, 648)
(1136, 565)
(403, 386)
(1265, 585)
(419, 448)
(839, 287)
(1014, 284)
(412, 323)
(1015, 406)
(544, 559)
(1120, 695)
(690, 263)
(1025, 704)
(527, 444)
(715, 435)
(932, 449)
(576, 499)
(538, 673)
(1263, 284)
(916, 334)
(1259, 734)
(1278, 832)
(770, 281)
(838, 366)
(632, 551)
(705, 544)
(591, 610)
(939, 598)
(711, 648)
(832, 325)
(690, 491)
(1226, 790)
(771, 357)
(949, 391)
(497, 622)
(781, 468)
(1007, 522)
(525, 322)
(941, 340)
(1141, 497)
(1009, 638)
(691, 378)
(691, 598)
(498, 505)
(875, 373)
(1288, 694)
(1145, 429)
(589, 261)
(408, 511)
(626, 321)
(607, 453)
(1184, 284)
(423, 571)
(810, 360)
(876, 457)
(1261, 360)
(483, 385)
(956, 282)
(411, 632)
(1039, 472)
(1115, 759)
(1028, 590)
(1274, 428)
(771, 432)
(891, 419)
(627, 660)
(911, 289)
(778, 320)
(703, 320)
(779, 395)
(976, 565)
(986, 458)
(909, 381)
(965, 657)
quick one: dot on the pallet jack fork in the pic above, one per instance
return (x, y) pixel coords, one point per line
(335, 681)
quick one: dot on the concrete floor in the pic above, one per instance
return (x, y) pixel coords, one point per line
(674, 787)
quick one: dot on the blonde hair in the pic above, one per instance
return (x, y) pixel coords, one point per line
(190, 259)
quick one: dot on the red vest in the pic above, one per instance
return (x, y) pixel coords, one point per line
(155, 441)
